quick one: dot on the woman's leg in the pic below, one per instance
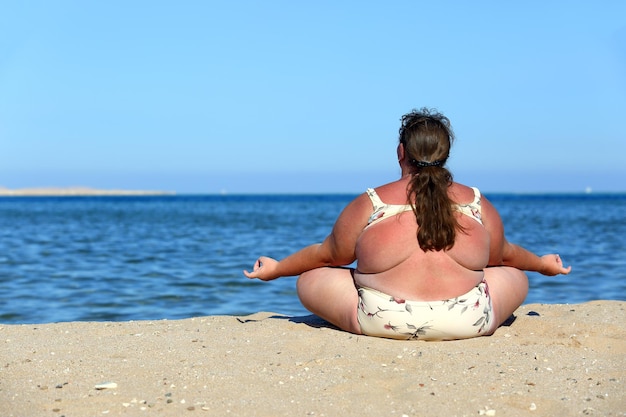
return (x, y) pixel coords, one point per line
(330, 293)
(508, 288)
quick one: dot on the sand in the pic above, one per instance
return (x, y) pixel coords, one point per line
(552, 360)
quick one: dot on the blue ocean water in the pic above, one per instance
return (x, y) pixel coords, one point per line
(171, 257)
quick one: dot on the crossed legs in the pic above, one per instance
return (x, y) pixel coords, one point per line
(508, 288)
(330, 293)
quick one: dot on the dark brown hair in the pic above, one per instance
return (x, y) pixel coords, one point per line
(427, 137)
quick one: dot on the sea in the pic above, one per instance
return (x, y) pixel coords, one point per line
(121, 258)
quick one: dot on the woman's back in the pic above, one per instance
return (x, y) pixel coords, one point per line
(391, 260)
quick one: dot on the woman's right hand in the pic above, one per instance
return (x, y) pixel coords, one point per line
(264, 269)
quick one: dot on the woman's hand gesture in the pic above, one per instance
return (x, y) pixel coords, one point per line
(264, 269)
(553, 265)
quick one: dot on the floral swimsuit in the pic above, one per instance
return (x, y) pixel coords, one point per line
(465, 316)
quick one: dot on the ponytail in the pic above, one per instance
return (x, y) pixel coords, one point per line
(427, 137)
(428, 194)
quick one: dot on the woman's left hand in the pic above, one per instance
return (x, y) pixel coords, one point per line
(264, 269)
(553, 265)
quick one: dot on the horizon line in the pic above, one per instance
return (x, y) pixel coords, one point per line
(79, 191)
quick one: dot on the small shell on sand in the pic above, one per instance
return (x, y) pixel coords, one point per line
(106, 385)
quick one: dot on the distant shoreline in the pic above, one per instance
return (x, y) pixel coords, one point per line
(74, 191)
(87, 191)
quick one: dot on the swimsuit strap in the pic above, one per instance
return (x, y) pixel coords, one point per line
(476, 195)
(473, 209)
(383, 210)
(376, 201)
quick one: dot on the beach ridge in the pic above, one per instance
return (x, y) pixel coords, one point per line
(75, 191)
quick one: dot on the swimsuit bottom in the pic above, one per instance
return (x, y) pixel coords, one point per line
(468, 315)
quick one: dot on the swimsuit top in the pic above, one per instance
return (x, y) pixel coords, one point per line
(383, 211)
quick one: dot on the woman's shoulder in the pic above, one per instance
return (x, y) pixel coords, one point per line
(393, 193)
(360, 204)
(462, 194)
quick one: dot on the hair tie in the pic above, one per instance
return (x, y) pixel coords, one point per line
(424, 164)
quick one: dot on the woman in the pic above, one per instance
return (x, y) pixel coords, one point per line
(432, 259)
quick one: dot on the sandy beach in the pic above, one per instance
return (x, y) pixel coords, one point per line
(552, 360)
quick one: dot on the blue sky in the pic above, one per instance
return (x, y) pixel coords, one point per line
(296, 96)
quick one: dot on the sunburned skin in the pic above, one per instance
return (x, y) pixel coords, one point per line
(391, 261)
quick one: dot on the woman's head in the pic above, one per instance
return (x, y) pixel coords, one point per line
(427, 137)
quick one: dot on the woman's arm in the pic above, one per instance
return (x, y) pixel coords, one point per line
(310, 257)
(520, 258)
(505, 253)
(337, 249)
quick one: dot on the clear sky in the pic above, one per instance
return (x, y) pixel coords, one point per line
(306, 96)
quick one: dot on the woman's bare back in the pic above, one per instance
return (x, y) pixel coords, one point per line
(391, 261)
